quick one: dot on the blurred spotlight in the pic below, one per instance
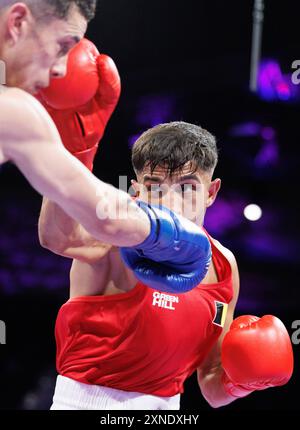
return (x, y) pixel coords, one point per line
(273, 85)
(225, 214)
(40, 396)
(132, 139)
(252, 212)
(256, 147)
(155, 109)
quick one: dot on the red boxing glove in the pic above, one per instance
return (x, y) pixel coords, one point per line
(82, 102)
(256, 354)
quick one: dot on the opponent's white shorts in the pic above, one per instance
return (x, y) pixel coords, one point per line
(73, 395)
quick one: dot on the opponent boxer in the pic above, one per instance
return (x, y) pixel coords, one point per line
(35, 37)
(121, 345)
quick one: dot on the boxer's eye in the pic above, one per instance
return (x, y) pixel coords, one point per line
(64, 49)
(155, 190)
(188, 187)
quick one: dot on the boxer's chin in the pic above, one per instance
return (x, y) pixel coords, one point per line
(37, 89)
(27, 87)
(33, 90)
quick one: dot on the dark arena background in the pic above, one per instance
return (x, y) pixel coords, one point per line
(185, 61)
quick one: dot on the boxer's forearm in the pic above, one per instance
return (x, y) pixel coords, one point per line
(57, 228)
(54, 222)
(59, 233)
(212, 388)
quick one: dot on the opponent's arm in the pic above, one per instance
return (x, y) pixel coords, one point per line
(31, 141)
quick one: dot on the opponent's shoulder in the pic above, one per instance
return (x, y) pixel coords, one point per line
(18, 109)
(12, 94)
(19, 102)
(22, 119)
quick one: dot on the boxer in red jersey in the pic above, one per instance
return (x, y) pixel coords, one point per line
(123, 345)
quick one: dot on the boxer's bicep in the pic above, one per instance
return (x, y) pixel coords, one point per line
(88, 279)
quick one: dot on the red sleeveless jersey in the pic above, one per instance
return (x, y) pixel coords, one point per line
(143, 340)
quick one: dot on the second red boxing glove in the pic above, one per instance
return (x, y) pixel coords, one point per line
(256, 354)
(82, 102)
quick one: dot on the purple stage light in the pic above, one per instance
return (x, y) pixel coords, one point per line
(132, 139)
(8, 284)
(268, 133)
(268, 155)
(283, 90)
(155, 109)
(265, 139)
(273, 84)
(245, 129)
(224, 215)
(272, 246)
(269, 77)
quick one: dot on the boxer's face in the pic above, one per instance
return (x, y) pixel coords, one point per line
(187, 192)
(35, 51)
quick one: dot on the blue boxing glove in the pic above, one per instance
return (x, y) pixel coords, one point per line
(176, 255)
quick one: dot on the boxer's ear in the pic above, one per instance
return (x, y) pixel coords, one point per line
(18, 21)
(134, 189)
(213, 190)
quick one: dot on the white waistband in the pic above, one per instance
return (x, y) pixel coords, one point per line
(70, 394)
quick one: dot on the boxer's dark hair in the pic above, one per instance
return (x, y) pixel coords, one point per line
(174, 144)
(61, 7)
(44, 9)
